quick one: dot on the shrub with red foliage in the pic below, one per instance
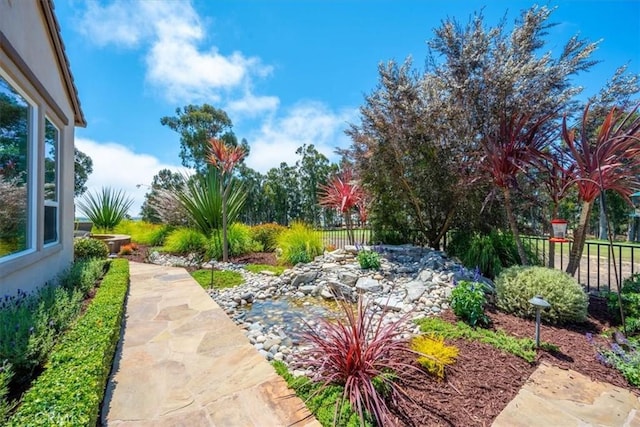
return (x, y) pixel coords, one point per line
(364, 356)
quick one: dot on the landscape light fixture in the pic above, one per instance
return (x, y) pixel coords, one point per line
(539, 303)
(559, 227)
(111, 254)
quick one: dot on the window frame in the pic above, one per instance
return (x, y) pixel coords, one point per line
(39, 110)
(51, 203)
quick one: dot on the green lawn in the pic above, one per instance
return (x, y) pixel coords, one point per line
(621, 249)
(221, 278)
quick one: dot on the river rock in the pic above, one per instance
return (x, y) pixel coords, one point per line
(367, 284)
(304, 278)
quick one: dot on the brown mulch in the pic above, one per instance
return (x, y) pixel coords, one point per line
(484, 380)
(268, 258)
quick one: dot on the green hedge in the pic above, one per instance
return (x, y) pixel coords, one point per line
(71, 388)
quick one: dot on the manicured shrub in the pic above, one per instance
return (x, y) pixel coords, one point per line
(87, 248)
(71, 388)
(185, 241)
(467, 302)
(299, 244)
(434, 354)
(517, 285)
(491, 253)
(6, 406)
(267, 235)
(362, 354)
(240, 242)
(221, 278)
(369, 259)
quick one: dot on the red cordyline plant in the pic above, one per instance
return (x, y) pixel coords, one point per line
(343, 192)
(611, 161)
(362, 355)
(224, 158)
(516, 142)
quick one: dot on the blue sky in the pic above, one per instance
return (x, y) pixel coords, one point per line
(286, 72)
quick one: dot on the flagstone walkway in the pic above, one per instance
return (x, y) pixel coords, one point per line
(183, 362)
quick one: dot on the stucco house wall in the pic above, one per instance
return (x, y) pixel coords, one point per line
(32, 58)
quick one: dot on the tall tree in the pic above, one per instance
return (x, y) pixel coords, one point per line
(313, 171)
(83, 167)
(513, 95)
(196, 126)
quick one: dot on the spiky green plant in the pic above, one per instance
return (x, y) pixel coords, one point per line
(201, 198)
(105, 208)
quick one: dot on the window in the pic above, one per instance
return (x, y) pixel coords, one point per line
(16, 144)
(51, 144)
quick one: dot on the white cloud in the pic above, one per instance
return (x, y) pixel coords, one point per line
(118, 167)
(307, 123)
(172, 32)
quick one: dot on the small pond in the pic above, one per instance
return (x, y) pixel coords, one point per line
(288, 313)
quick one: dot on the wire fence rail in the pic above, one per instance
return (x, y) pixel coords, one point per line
(596, 271)
(598, 267)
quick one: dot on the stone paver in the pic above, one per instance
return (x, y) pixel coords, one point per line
(183, 362)
(557, 397)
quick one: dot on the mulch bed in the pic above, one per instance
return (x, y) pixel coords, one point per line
(484, 380)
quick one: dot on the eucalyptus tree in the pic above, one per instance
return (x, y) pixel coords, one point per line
(313, 170)
(83, 167)
(282, 189)
(197, 124)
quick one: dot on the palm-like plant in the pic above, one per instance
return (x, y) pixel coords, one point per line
(343, 193)
(515, 142)
(105, 209)
(610, 162)
(224, 158)
(200, 197)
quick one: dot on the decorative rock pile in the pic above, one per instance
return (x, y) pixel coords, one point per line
(411, 283)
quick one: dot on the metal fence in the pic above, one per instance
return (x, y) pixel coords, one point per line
(598, 267)
(596, 272)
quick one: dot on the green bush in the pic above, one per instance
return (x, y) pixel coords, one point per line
(71, 388)
(31, 323)
(6, 406)
(87, 248)
(185, 241)
(630, 295)
(267, 235)
(299, 244)
(369, 259)
(517, 285)
(467, 302)
(491, 253)
(240, 242)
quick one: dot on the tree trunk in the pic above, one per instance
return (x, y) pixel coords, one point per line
(514, 225)
(552, 245)
(579, 238)
(602, 223)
